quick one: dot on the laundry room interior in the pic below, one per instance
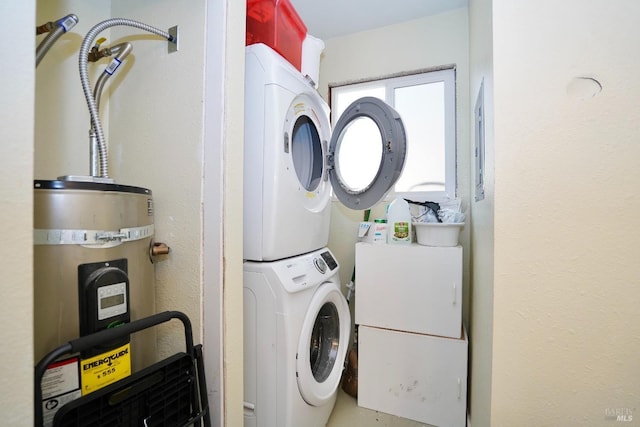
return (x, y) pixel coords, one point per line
(548, 284)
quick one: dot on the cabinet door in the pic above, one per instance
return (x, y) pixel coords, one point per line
(419, 377)
(409, 288)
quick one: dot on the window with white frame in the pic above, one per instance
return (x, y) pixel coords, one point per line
(426, 104)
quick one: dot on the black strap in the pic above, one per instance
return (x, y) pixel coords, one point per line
(435, 207)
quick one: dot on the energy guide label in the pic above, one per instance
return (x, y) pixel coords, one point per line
(105, 369)
(60, 385)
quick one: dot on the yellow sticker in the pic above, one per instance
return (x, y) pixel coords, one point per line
(310, 195)
(106, 368)
(299, 107)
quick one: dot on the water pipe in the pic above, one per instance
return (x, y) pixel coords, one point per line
(84, 78)
(121, 51)
(46, 27)
(54, 30)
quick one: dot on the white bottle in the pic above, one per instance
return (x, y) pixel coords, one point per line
(398, 222)
(379, 231)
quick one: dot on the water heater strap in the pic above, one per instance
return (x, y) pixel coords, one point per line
(91, 237)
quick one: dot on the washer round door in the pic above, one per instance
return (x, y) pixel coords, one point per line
(322, 348)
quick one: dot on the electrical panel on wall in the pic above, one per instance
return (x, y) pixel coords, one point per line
(479, 144)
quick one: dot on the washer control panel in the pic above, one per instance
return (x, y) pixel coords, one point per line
(329, 260)
(320, 265)
(301, 272)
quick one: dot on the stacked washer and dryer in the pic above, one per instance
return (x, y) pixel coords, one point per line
(296, 319)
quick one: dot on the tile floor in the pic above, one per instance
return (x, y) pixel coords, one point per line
(347, 413)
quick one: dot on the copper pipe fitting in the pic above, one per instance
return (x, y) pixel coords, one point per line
(159, 248)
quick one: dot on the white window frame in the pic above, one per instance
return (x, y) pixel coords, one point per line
(447, 75)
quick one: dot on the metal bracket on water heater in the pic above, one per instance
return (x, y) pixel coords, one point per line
(90, 237)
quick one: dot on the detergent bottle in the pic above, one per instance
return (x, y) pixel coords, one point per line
(398, 222)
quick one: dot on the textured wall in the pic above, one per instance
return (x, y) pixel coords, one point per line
(62, 117)
(156, 142)
(16, 212)
(173, 122)
(567, 181)
(150, 147)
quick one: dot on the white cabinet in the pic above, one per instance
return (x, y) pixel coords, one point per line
(420, 377)
(412, 348)
(410, 288)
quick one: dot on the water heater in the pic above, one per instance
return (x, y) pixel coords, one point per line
(93, 268)
(93, 238)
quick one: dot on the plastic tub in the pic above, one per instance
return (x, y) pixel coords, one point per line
(276, 24)
(312, 48)
(437, 234)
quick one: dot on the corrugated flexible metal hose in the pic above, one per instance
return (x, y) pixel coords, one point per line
(87, 42)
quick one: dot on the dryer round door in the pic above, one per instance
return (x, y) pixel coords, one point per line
(306, 135)
(367, 152)
(322, 348)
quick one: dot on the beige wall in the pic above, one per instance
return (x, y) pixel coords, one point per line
(168, 119)
(554, 334)
(16, 213)
(414, 45)
(62, 117)
(156, 142)
(150, 147)
(566, 272)
(482, 226)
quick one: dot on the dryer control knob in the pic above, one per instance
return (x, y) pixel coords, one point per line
(320, 265)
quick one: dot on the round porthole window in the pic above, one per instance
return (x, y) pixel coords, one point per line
(323, 346)
(306, 151)
(359, 151)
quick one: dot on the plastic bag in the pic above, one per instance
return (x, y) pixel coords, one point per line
(448, 211)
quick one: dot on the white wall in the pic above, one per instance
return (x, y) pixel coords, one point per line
(16, 212)
(482, 226)
(414, 45)
(567, 195)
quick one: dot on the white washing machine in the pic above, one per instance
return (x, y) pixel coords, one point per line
(293, 159)
(296, 334)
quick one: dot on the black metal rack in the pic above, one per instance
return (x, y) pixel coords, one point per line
(169, 393)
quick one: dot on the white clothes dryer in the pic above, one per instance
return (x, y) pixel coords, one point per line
(292, 158)
(296, 334)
